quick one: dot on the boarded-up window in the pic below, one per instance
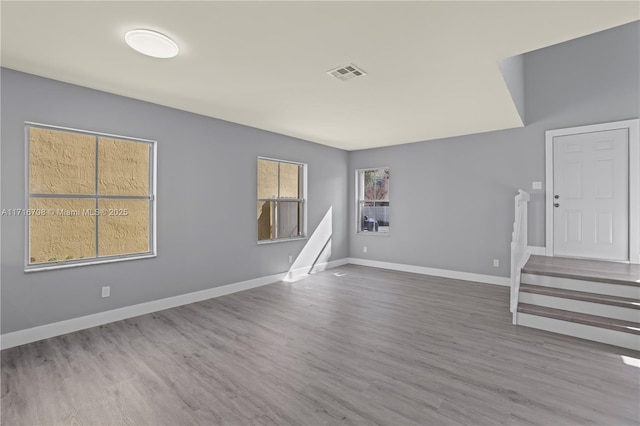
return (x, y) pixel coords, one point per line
(280, 200)
(91, 197)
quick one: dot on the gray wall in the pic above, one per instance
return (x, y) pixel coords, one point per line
(513, 74)
(202, 163)
(452, 199)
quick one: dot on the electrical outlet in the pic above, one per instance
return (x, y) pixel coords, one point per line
(290, 258)
(364, 249)
(536, 185)
(496, 263)
(106, 291)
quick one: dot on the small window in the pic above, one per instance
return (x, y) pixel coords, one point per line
(281, 200)
(372, 189)
(90, 198)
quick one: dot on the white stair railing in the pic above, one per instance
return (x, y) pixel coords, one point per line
(519, 251)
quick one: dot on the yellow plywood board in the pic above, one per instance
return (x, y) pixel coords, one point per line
(61, 162)
(62, 229)
(123, 167)
(267, 179)
(289, 180)
(123, 226)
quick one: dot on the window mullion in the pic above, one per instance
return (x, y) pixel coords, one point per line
(97, 216)
(276, 220)
(151, 191)
(279, 165)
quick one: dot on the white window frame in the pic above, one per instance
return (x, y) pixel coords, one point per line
(303, 201)
(61, 264)
(359, 198)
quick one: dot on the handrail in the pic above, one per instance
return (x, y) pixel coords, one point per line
(519, 252)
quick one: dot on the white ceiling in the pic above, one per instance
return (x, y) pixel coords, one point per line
(432, 66)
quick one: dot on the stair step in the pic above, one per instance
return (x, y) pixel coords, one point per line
(581, 331)
(576, 317)
(586, 270)
(623, 302)
(627, 291)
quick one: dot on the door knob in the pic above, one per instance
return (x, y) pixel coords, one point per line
(556, 196)
(556, 205)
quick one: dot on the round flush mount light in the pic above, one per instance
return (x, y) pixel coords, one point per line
(151, 43)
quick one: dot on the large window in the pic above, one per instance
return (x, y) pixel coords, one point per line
(372, 189)
(281, 200)
(90, 197)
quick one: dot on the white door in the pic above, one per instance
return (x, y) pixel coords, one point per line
(591, 195)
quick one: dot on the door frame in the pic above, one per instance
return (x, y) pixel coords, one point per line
(633, 127)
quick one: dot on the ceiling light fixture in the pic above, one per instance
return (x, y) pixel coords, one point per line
(151, 43)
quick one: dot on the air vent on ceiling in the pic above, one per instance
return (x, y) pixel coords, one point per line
(346, 72)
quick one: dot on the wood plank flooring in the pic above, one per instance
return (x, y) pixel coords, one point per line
(584, 269)
(352, 346)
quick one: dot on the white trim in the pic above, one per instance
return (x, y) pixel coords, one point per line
(634, 191)
(466, 276)
(581, 306)
(548, 166)
(154, 191)
(98, 261)
(373, 234)
(536, 250)
(281, 240)
(516, 278)
(582, 331)
(152, 197)
(357, 200)
(89, 132)
(519, 247)
(634, 179)
(46, 331)
(305, 202)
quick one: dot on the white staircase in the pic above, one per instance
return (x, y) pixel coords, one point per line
(559, 295)
(593, 300)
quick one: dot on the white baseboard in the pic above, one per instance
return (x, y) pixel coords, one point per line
(46, 331)
(466, 276)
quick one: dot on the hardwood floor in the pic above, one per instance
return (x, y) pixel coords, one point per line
(584, 269)
(352, 345)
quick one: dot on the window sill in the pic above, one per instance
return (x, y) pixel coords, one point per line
(53, 266)
(374, 234)
(280, 240)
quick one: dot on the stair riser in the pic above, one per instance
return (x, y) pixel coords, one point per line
(580, 285)
(598, 309)
(582, 331)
